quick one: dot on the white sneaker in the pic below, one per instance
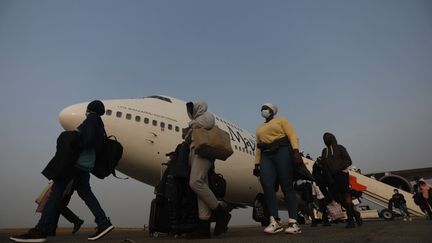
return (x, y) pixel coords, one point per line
(293, 227)
(404, 219)
(274, 226)
(410, 219)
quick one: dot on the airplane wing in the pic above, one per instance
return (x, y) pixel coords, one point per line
(410, 175)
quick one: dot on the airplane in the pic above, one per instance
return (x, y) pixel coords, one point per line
(151, 127)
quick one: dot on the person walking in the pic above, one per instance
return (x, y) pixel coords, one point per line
(208, 205)
(425, 189)
(421, 202)
(337, 160)
(74, 160)
(275, 158)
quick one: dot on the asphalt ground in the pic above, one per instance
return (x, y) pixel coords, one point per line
(419, 230)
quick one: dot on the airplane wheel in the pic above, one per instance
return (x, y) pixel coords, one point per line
(387, 214)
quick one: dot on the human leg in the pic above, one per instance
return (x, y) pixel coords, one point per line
(198, 182)
(48, 222)
(285, 174)
(82, 186)
(268, 177)
(207, 202)
(341, 179)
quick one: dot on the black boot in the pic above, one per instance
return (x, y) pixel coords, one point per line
(202, 231)
(222, 217)
(358, 218)
(350, 214)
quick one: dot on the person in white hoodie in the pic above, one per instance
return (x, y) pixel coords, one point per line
(208, 205)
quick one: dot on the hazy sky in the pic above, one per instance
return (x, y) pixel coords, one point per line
(360, 69)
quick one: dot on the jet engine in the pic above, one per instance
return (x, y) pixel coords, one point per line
(397, 181)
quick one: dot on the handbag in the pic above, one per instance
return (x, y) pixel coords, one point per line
(217, 184)
(214, 143)
(335, 211)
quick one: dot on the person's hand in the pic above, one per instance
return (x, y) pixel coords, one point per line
(256, 170)
(297, 157)
(184, 132)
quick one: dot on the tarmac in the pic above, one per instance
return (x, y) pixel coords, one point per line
(419, 230)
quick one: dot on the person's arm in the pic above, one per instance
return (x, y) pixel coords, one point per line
(292, 136)
(344, 154)
(87, 134)
(290, 133)
(206, 120)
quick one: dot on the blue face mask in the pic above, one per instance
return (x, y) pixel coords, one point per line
(266, 113)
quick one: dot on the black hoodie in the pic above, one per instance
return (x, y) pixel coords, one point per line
(335, 155)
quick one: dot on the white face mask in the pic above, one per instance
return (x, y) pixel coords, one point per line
(87, 113)
(266, 113)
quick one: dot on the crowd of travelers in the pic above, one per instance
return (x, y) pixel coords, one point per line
(278, 164)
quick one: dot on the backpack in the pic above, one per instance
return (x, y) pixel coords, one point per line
(108, 158)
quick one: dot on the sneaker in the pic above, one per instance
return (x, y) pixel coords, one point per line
(274, 226)
(101, 231)
(77, 226)
(293, 227)
(410, 219)
(33, 235)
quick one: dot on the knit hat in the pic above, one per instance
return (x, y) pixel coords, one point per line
(97, 107)
(272, 107)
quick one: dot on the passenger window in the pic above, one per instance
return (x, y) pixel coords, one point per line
(137, 118)
(128, 116)
(108, 112)
(243, 150)
(118, 114)
(177, 129)
(162, 124)
(154, 122)
(169, 127)
(146, 120)
(235, 147)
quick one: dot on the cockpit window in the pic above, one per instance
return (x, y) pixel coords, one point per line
(160, 98)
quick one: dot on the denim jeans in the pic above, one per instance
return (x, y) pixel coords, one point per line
(51, 212)
(403, 210)
(279, 166)
(82, 186)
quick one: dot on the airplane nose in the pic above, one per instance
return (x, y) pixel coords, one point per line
(72, 116)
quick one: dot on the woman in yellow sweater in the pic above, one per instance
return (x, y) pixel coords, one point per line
(277, 151)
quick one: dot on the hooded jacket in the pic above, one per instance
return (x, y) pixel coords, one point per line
(92, 132)
(200, 118)
(335, 156)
